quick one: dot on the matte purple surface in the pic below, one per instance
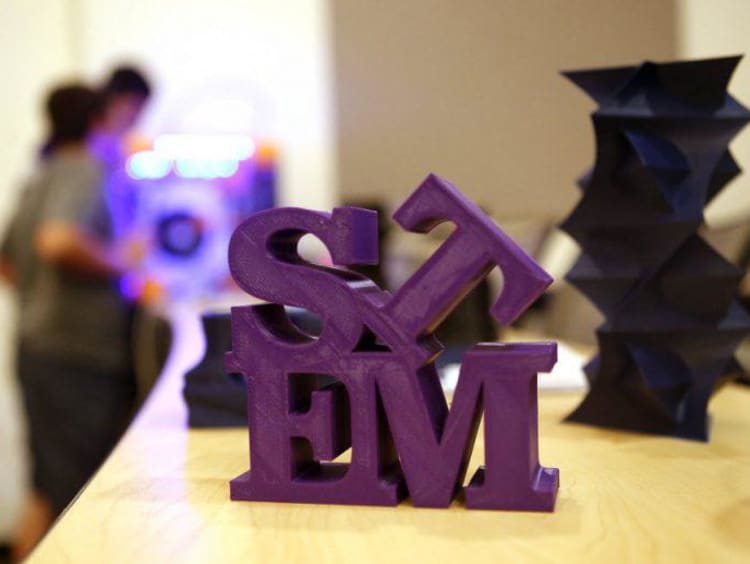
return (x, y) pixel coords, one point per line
(368, 381)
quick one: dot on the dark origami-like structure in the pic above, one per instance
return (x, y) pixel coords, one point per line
(672, 318)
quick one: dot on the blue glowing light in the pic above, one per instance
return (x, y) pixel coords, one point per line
(192, 156)
(147, 165)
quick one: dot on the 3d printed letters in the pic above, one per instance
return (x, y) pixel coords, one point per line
(368, 381)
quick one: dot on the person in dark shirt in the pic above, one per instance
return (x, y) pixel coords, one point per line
(73, 360)
(125, 94)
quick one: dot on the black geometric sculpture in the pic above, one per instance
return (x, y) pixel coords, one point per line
(215, 398)
(672, 318)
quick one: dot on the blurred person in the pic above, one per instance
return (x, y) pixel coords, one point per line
(124, 93)
(74, 362)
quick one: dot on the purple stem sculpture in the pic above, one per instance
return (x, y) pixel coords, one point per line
(672, 319)
(368, 382)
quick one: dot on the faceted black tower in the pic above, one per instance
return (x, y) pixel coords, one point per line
(672, 318)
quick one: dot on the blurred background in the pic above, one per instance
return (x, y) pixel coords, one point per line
(349, 101)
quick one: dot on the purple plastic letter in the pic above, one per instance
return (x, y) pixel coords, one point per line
(368, 381)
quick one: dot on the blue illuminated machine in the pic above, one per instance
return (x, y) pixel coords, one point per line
(182, 198)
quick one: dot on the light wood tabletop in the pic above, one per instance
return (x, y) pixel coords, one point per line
(163, 496)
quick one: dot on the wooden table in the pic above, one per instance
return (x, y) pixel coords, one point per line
(163, 496)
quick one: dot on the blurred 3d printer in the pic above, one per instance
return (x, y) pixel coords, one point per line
(177, 202)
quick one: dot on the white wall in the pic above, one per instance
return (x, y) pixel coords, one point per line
(274, 55)
(472, 90)
(718, 28)
(34, 51)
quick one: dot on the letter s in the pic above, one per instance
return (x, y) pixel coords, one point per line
(264, 261)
